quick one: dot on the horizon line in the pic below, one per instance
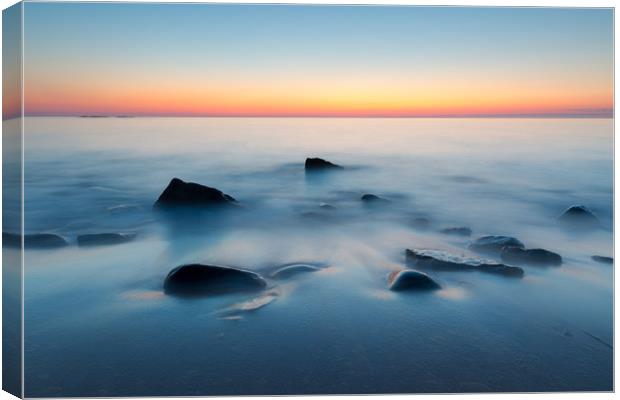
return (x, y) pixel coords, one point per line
(605, 115)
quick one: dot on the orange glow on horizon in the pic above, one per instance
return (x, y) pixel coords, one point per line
(94, 93)
(219, 103)
(321, 94)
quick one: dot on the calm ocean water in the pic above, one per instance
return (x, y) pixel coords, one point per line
(97, 321)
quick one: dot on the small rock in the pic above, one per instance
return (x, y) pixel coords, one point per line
(441, 261)
(542, 257)
(457, 231)
(208, 280)
(373, 199)
(579, 216)
(494, 244)
(411, 280)
(189, 194)
(102, 239)
(34, 241)
(318, 164)
(325, 206)
(290, 270)
(603, 259)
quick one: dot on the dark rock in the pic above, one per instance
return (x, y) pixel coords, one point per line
(579, 216)
(457, 231)
(494, 244)
(373, 199)
(411, 280)
(11, 240)
(542, 257)
(44, 240)
(289, 270)
(101, 239)
(318, 164)
(421, 223)
(441, 261)
(34, 241)
(603, 259)
(188, 194)
(208, 280)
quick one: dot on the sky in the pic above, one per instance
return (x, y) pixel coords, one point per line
(279, 60)
(11, 62)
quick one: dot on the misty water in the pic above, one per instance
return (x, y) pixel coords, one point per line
(97, 322)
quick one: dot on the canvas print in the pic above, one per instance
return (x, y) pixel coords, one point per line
(233, 199)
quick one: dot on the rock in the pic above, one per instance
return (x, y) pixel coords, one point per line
(289, 270)
(11, 240)
(189, 194)
(441, 261)
(210, 280)
(101, 239)
(411, 280)
(34, 241)
(328, 207)
(457, 231)
(373, 199)
(603, 259)
(318, 164)
(542, 257)
(579, 216)
(421, 223)
(494, 244)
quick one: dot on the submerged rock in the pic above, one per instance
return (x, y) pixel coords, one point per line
(603, 259)
(411, 280)
(318, 164)
(318, 217)
(209, 280)
(420, 223)
(102, 239)
(236, 311)
(289, 270)
(442, 261)
(34, 241)
(373, 199)
(542, 257)
(494, 244)
(457, 231)
(327, 207)
(189, 194)
(579, 216)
